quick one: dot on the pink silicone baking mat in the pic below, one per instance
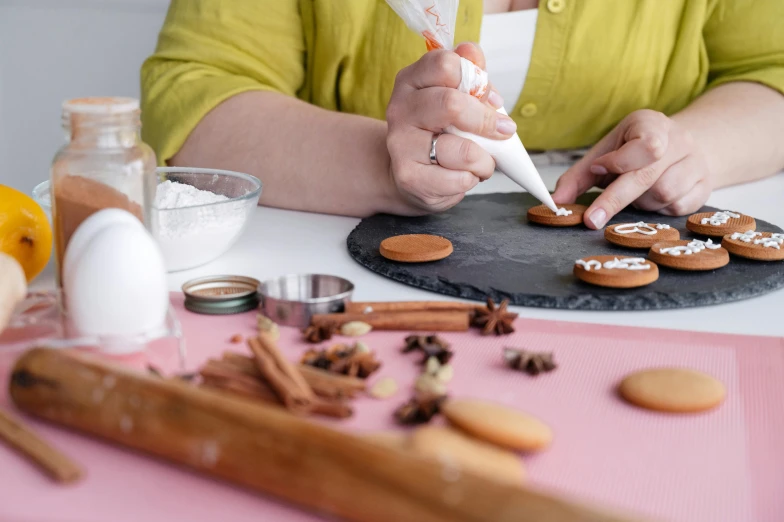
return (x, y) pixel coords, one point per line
(724, 465)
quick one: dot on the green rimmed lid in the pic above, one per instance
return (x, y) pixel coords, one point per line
(221, 295)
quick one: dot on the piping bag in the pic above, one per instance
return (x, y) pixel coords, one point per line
(435, 21)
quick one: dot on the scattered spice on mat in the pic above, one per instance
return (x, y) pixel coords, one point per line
(320, 332)
(343, 359)
(430, 346)
(236, 339)
(384, 388)
(532, 363)
(355, 329)
(495, 318)
(419, 409)
(283, 377)
(265, 325)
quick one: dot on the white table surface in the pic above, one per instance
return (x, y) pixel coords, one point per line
(279, 242)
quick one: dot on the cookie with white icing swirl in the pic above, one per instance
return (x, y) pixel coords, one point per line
(640, 235)
(759, 246)
(719, 224)
(616, 271)
(693, 255)
(568, 215)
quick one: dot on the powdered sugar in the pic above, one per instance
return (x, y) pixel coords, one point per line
(189, 228)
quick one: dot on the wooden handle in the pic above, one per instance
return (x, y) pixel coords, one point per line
(442, 321)
(23, 439)
(13, 287)
(410, 306)
(268, 449)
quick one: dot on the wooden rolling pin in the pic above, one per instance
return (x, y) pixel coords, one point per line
(268, 449)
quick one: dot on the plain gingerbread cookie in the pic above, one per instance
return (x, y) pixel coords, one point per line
(672, 390)
(416, 248)
(497, 424)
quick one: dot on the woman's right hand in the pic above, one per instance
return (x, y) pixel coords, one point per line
(424, 102)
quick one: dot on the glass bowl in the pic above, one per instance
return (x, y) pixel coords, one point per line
(194, 235)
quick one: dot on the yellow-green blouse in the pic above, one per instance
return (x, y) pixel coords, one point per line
(593, 62)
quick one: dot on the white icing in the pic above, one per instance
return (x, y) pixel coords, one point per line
(662, 226)
(588, 264)
(750, 236)
(627, 263)
(693, 247)
(563, 212)
(719, 218)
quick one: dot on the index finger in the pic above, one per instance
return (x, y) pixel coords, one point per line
(620, 193)
(438, 68)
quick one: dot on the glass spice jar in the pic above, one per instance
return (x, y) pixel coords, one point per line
(104, 164)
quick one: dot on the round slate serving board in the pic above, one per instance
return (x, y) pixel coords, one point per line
(499, 254)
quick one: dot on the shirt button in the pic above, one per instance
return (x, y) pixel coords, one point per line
(556, 6)
(528, 110)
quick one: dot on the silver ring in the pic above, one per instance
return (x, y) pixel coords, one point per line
(433, 157)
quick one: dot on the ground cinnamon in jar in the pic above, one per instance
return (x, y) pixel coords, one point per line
(75, 199)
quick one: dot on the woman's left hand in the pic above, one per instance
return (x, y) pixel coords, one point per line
(649, 161)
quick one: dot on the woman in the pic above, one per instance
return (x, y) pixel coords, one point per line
(676, 98)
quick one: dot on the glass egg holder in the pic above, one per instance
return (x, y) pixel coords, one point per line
(40, 321)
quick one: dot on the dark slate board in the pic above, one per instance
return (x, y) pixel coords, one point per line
(500, 255)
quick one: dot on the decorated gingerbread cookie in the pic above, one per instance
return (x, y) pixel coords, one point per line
(616, 272)
(640, 234)
(760, 246)
(689, 255)
(415, 248)
(719, 224)
(567, 216)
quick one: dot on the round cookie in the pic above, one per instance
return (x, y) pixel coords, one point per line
(719, 224)
(616, 271)
(640, 235)
(544, 216)
(689, 255)
(674, 390)
(760, 246)
(497, 424)
(415, 248)
(451, 448)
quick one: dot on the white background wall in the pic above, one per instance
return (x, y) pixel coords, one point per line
(52, 50)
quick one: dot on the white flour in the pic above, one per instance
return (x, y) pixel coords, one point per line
(190, 237)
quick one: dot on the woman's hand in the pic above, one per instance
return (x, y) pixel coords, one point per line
(424, 102)
(648, 160)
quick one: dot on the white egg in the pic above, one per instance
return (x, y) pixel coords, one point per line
(117, 286)
(89, 228)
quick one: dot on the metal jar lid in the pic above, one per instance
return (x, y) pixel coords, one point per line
(221, 295)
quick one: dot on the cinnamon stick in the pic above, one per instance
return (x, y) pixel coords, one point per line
(282, 376)
(254, 389)
(22, 438)
(438, 321)
(409, 306)
(323, 383)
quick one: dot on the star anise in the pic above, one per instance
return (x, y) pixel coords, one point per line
(317, 333)
(495, 319)
(343, 359)
(420, 409)
(430, 346)
(532, 363)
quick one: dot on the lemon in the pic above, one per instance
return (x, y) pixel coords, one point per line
(25, 233)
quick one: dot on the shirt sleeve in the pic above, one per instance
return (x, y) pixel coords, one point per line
(211, 50)
(744, 40)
